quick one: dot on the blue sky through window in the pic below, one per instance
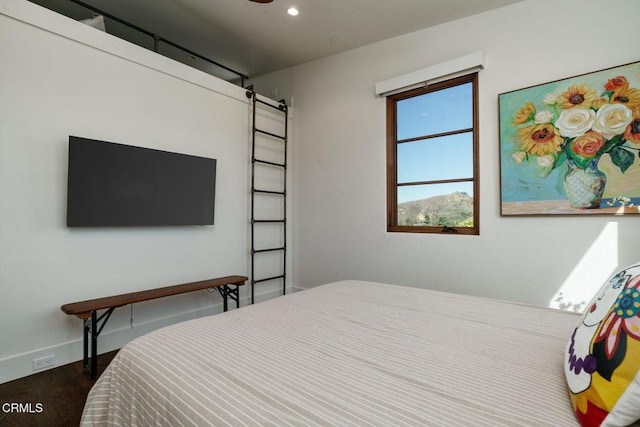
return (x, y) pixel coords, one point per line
(447, 157)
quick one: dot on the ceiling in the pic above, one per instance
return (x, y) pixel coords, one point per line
(256, 39)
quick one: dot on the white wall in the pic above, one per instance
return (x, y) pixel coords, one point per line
(61, 78)
(339, 183)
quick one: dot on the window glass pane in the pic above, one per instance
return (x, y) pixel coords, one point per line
(435, 112)
(447, 157)
(436, 205)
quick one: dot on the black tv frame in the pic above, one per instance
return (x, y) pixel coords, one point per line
(111, 185)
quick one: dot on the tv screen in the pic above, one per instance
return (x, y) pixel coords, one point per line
(113, 184)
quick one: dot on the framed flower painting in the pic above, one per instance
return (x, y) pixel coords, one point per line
(572, 146)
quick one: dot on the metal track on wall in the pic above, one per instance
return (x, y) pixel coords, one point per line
(157, 39)
(260, 189)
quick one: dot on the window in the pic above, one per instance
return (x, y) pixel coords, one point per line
(432, 158)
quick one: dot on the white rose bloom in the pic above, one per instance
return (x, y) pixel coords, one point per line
(546, 160)
(543, 117)
(612, 119)
(519, 157)
(575, 122)
(551, 98)
(545, 164)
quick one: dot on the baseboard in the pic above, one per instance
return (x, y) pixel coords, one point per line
(21, 365)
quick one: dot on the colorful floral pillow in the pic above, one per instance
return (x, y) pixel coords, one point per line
(602, 361)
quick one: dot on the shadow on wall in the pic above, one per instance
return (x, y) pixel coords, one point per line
(595, 267)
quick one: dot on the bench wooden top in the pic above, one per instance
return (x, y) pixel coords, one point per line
(83, 309)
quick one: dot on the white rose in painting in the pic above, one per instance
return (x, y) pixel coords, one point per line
(543, 117)
(519, 157)
(545, 164)
(551, 98)
(575, 122)
(612, 119)
(546, 161)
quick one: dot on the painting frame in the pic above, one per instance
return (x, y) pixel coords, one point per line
(572, 146)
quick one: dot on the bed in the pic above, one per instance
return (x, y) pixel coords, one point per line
(349, 353)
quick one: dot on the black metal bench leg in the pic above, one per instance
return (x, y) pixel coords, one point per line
(226, 292)
(85, 344)
(94, 345)
(91, 328)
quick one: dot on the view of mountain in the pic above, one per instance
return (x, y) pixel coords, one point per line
(453, 210)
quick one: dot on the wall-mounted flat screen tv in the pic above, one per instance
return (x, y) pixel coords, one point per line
(113, 184)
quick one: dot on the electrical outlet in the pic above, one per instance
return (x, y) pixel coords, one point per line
(44, 362)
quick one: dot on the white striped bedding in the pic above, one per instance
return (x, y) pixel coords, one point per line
(349, 353)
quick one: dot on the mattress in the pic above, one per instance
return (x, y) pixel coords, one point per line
(349, 353)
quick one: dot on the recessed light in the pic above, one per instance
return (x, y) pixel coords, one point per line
(293, 11)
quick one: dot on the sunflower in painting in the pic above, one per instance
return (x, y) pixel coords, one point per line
(577, 96)
(539, 139)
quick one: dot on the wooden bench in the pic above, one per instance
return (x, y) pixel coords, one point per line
(88, 310)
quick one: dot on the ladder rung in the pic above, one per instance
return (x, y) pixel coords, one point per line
(280, 107)
(280, 193)
(264, 221)
(282, 276)
(264, 162)
(259, 251)
(264, 132)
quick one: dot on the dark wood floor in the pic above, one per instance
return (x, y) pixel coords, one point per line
(61, 393)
